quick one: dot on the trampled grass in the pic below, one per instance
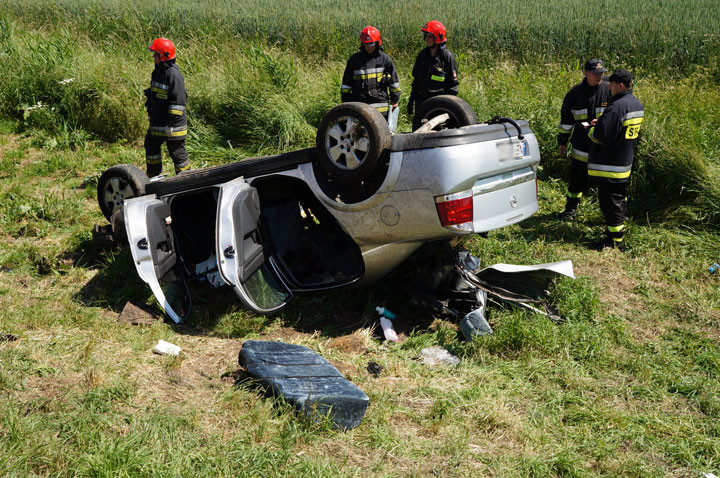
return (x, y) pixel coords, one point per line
(627, 386)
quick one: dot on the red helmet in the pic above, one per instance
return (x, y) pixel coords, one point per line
(370, 34)
(164, 48)
(436, 29)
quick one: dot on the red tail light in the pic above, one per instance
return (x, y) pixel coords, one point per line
(455, 209)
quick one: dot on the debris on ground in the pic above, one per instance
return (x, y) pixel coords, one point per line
(452, 284)
(102, 236)
(166, 348)
(388, 330)
(375, 369)
(8, 337)
(437, 356)
(306, 380)
(137, 314)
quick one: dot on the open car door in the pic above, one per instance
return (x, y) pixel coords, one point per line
(147, 222)
(241, 259)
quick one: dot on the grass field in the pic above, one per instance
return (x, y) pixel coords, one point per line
(627, 386)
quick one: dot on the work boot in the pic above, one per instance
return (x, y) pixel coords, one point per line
(609, 243)
(570, 212)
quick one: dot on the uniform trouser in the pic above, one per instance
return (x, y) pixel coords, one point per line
(613, 204)
(153, 156)
(578, 183)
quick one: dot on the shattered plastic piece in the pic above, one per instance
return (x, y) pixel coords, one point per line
(11, 338)
(166, 348)
(436, 356)
(137, 314)
(474, 325)
(375, 369)
(306, 380)
(468, 261)
(385, 313)
(709, 475)
(388, 330)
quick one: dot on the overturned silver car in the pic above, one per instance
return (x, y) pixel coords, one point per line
(343, 213)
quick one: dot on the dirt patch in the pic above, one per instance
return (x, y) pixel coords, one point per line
(286, 334)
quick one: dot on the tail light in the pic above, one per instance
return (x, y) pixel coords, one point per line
(456, 210)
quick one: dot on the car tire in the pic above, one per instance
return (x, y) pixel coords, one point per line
(118, 183)
(351, 139)
(460, 112)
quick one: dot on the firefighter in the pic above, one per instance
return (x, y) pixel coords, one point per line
(613, 137)
(166, 110)
(370, 74)
(583, 103)
(435, 70)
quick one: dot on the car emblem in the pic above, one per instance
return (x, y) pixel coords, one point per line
(513, 201)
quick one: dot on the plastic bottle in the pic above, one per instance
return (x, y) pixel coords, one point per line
(388, 330)
(714, 268)
(385, 313)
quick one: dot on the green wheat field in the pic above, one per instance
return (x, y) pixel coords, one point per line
(627, 386)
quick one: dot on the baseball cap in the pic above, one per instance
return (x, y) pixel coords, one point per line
(622, 76)
(595, 65)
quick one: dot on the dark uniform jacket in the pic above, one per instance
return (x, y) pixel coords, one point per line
(368, 77)
(434, 76)
(613, 137)
(165, 103)
(582, 103)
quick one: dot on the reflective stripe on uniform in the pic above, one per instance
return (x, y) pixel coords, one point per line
(619, 228)
(608, 171)
(381, 107)
(437, 78)
(580, 114)
(395, 87)
(153, 159)
(162, 86)
(368, 74)
(176, 110)
(591, 135)
(174, 132)
(345, 88)
(632, 121)
(574, 195)
(599, 111)
(565, 128)
(633, 114)
(579, 155)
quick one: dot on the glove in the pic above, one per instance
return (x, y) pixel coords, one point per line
(411, 102)
(385, 80)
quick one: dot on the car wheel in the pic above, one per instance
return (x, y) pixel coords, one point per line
(351, 139)
(118, 183)
(461, 113)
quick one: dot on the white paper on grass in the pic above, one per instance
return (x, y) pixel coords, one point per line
(563, 268)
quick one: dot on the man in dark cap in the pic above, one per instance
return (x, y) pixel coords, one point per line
(584, 102)
(611, 156)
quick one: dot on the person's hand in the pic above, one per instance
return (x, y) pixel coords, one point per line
(594, 122)
(562, 150)
(394, 106)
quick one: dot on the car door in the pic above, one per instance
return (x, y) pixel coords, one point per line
(242, 262)
(148, 225)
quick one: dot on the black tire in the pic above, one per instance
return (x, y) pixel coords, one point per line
(461, 113)
(118, 183)
(351, 139)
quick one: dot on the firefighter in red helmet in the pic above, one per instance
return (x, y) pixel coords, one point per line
(435, 70)
(165, 105)
(370, 75)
